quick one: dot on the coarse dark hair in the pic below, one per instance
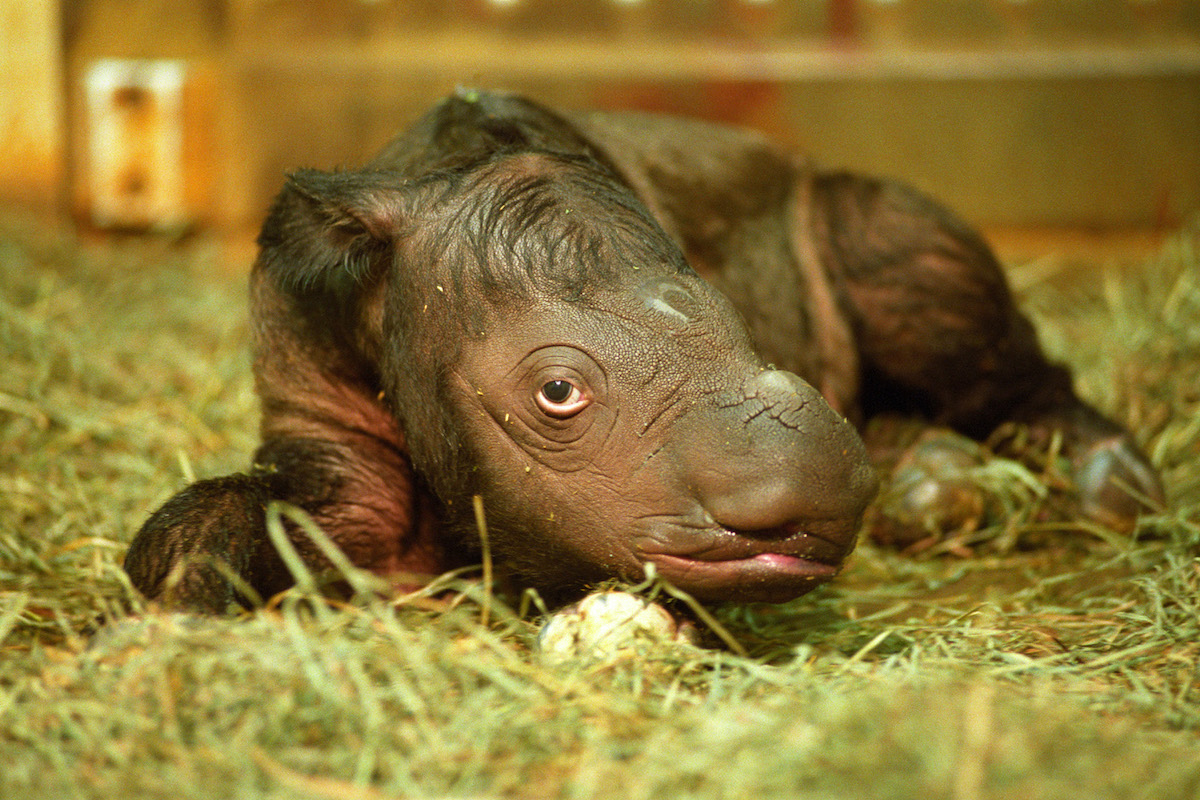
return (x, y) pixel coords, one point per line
(530, 224)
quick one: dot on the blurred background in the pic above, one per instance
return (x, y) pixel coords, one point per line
(1075, 119)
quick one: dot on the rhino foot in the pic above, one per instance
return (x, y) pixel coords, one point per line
(1117, 484)
(931, 491)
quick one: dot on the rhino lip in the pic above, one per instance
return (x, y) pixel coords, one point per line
(772, 565)
(718, 544)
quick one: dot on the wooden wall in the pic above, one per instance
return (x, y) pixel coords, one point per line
(32, 133)
(1034, 113)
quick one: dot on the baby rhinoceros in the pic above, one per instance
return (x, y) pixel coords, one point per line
(637, 338)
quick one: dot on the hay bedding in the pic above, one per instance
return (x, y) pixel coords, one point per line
(1067, 669)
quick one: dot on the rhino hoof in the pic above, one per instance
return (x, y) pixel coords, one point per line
(930, 494)
(1116, 484)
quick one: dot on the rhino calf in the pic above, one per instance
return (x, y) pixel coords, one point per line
(639, 339)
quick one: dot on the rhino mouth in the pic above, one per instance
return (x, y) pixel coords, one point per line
(763, 565)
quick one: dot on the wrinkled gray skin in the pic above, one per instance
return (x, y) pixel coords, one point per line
(598, 323)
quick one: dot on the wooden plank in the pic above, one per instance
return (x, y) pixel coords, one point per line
(31, 105)
(469, 52)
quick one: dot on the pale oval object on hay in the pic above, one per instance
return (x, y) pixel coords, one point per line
(605, 625)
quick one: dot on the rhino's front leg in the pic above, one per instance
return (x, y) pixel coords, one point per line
(185, 553)
(200, 549)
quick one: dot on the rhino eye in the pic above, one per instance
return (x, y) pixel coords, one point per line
(560, 399)
(557, 391)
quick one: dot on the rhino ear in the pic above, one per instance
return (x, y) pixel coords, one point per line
(326, 231)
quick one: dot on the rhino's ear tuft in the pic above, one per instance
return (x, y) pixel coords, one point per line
(327, 230)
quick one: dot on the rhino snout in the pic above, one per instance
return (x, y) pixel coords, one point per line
(778, 483)
(773, 459)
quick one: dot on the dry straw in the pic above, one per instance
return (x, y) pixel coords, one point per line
(1063, 670)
